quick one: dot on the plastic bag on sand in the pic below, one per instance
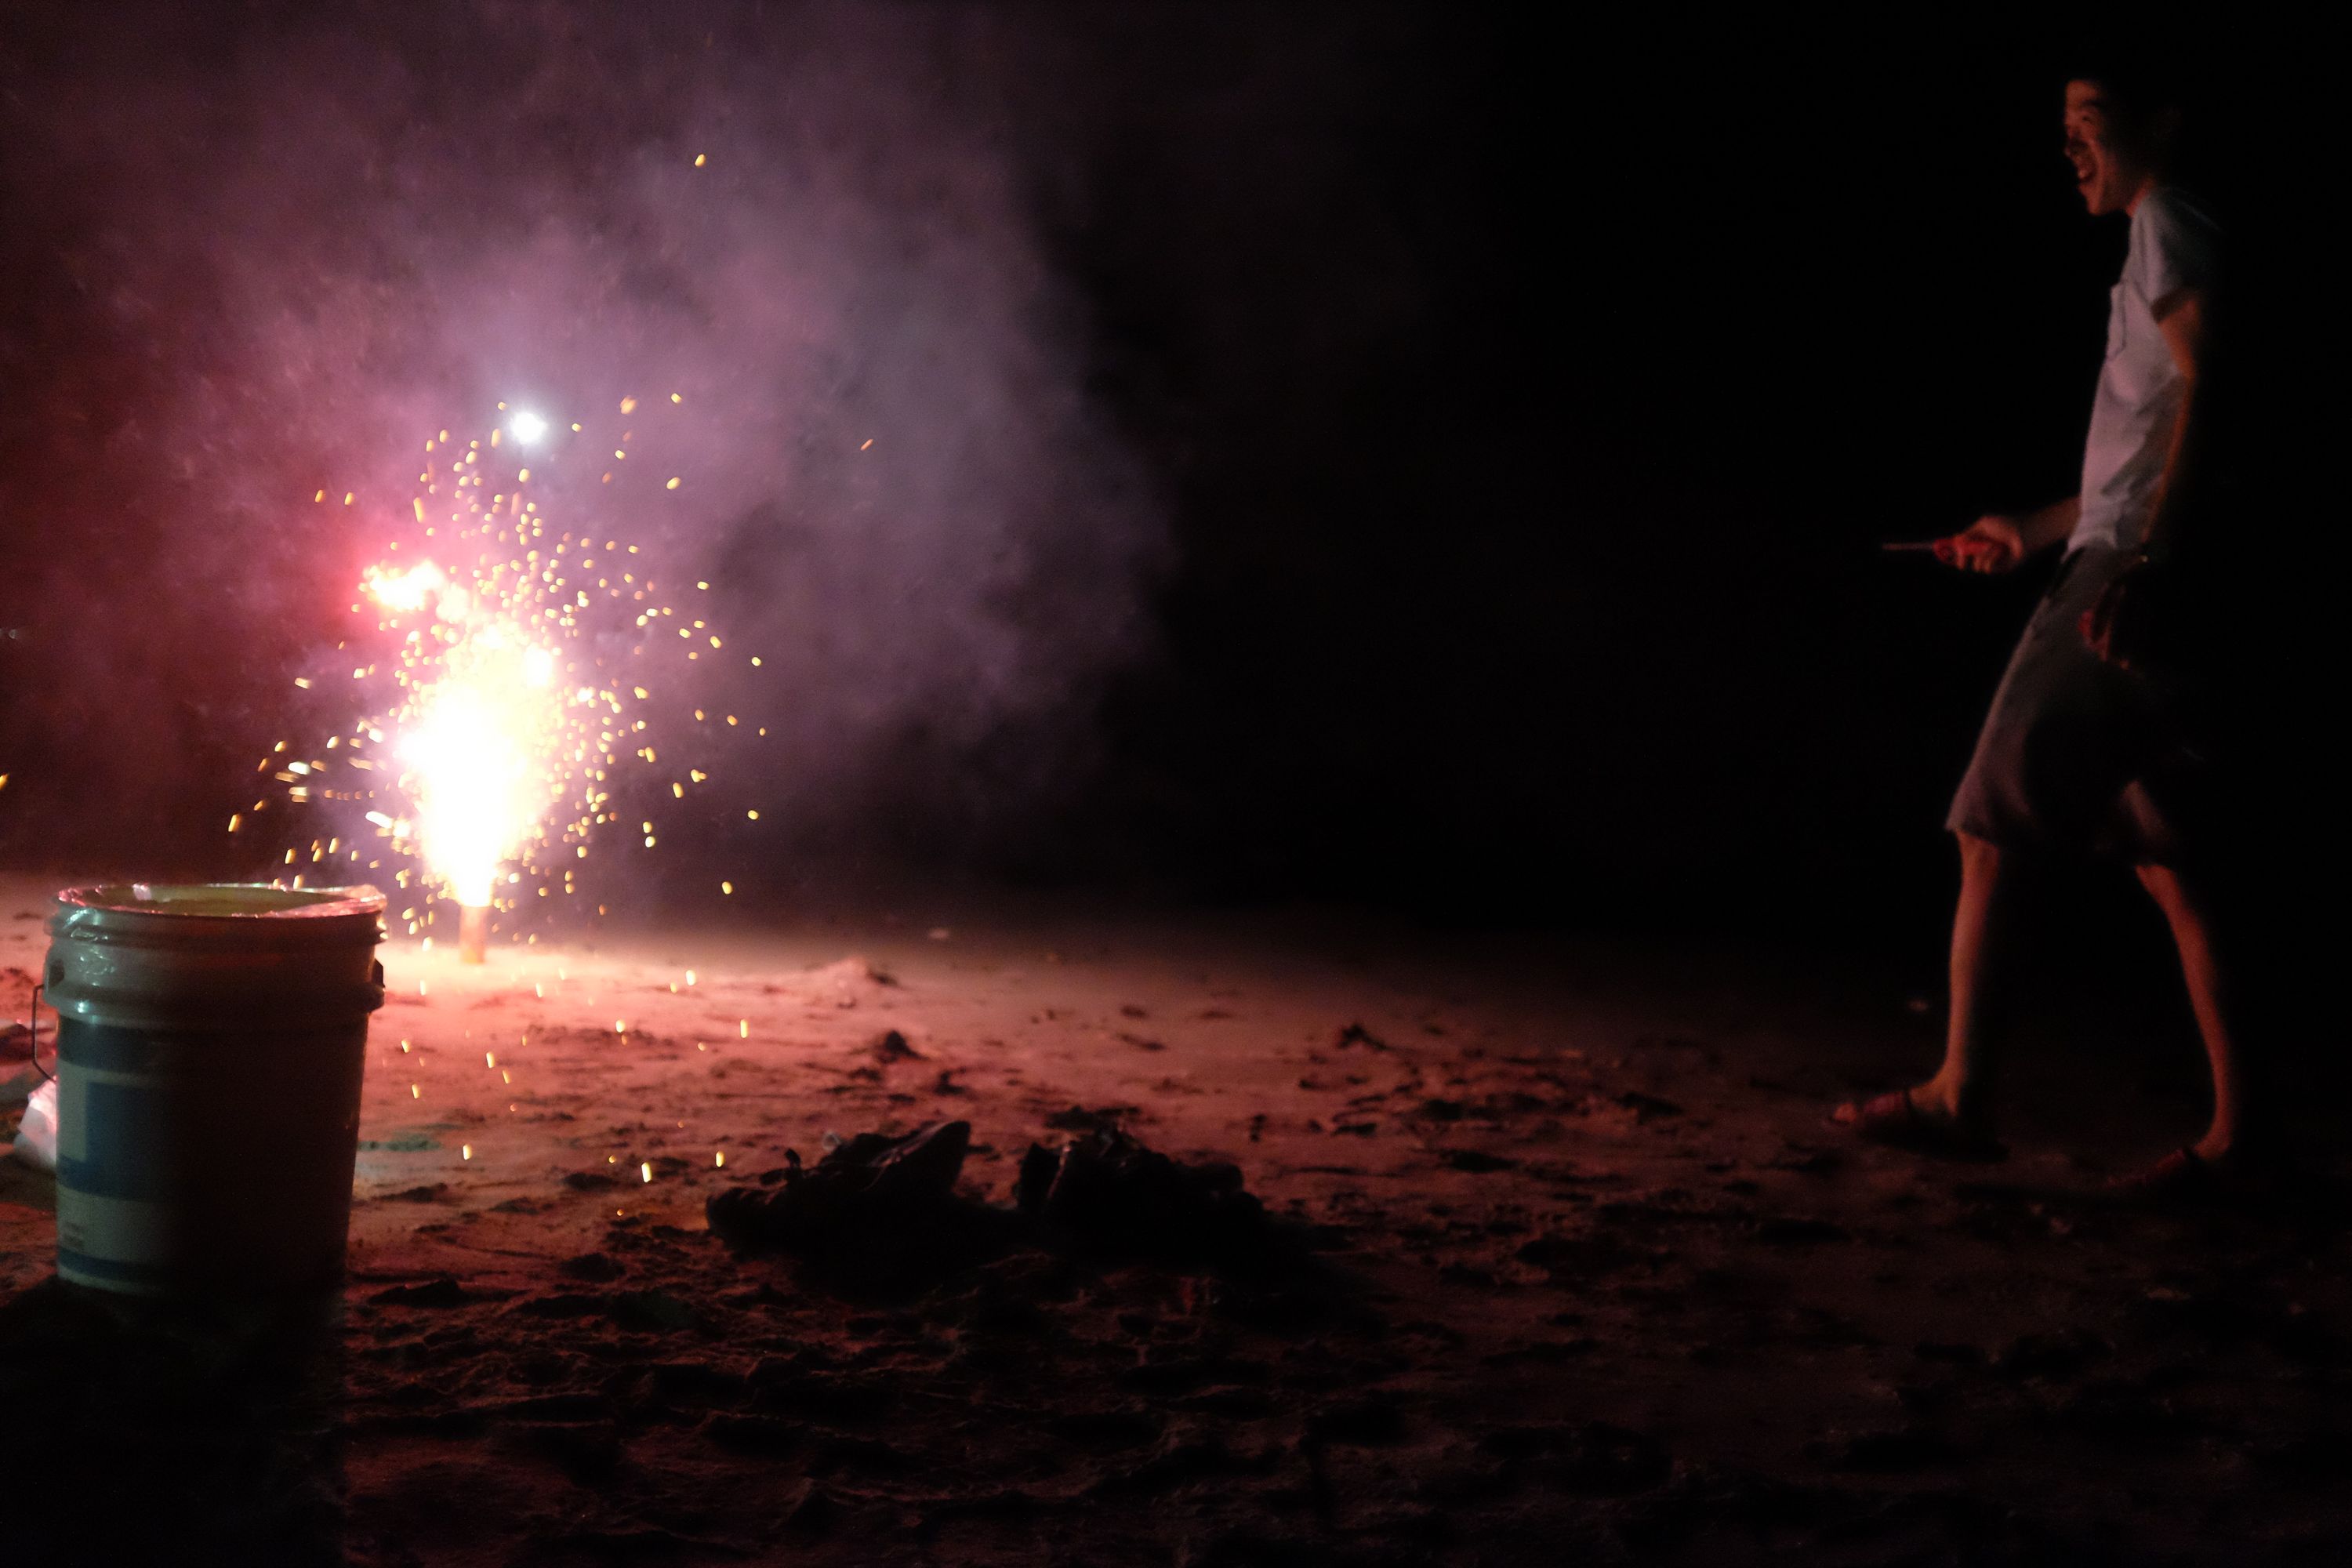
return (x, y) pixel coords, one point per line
(36, 1135)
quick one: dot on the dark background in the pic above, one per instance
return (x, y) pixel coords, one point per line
(1519, 405)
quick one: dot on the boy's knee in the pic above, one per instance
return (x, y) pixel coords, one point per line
(2163, 884)
(1976, 853)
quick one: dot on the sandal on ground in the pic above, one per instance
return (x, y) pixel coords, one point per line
(1895, 1119)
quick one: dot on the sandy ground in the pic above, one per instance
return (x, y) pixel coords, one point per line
(1589, 1278)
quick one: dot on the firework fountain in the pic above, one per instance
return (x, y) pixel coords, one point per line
(509, 658)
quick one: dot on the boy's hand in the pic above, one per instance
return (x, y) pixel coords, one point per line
(1993, 543)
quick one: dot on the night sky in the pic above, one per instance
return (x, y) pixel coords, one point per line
(1369, 453)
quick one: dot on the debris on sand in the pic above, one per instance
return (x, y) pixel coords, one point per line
(846, 981)
(1476, 1161)
(1078, 1118)
(868, 1188)
(876, 1201)
(890, 1045)
(1646, 1108)
(1107, 1191)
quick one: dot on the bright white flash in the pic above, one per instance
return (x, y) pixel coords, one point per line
(527, 426)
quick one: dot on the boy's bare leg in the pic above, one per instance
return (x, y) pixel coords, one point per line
(1961, 1089)
(2190, 912)
(1959, 1092)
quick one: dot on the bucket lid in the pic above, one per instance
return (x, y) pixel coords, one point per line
(242, 915)
(228, 900)
(195, 956)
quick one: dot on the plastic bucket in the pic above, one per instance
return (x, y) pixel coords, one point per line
(210, 1045)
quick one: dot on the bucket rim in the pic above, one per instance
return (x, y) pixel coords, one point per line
(236, 901)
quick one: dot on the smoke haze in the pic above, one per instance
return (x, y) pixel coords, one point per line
(271, 257)
(1379, 449)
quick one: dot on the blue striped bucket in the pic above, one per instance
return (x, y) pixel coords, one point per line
(211, 1040)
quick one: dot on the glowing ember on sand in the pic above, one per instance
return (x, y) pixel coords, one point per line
(490, 762)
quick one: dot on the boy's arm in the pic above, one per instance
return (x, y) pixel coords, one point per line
(2182, 318)
(2115, 626)
(2000, 542)
(2046, 526)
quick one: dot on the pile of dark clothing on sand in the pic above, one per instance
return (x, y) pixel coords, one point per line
(871, 1185)
(1107, 1193)
(1104, 1193)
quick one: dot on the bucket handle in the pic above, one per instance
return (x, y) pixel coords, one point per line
(33, 1031)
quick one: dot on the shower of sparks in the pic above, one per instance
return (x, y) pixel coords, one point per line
(502, 683)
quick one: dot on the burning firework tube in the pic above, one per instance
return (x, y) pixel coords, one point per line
(493, 728)
(473, 933)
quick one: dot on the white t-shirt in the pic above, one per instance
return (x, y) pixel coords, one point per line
(2172, 248)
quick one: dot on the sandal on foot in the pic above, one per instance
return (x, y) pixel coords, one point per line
(2177, 1180)
(1895, 1119)
(2186, 1179)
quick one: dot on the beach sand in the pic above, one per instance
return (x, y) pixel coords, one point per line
(1584, 1274)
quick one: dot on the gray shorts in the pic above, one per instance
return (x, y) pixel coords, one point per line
(2076, 755)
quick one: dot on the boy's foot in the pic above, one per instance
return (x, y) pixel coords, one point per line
(1901, 1121)
(2180, 1179)
(2186, 1179)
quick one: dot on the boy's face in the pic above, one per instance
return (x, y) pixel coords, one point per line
(2109, 170)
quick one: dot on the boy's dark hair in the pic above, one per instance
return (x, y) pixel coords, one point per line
(2140, 84)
